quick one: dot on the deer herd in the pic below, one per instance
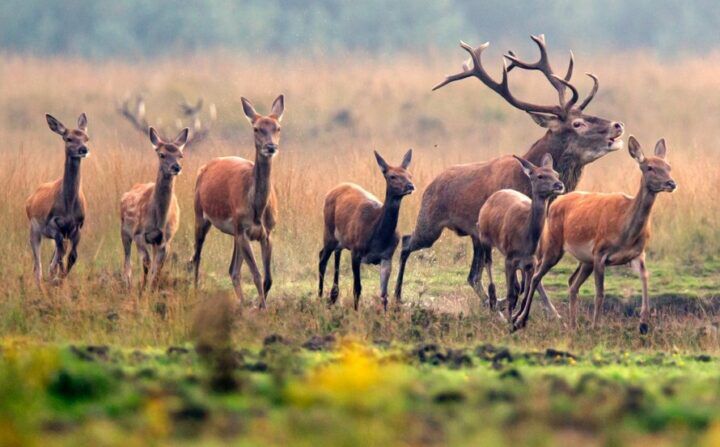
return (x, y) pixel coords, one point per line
(523, 206)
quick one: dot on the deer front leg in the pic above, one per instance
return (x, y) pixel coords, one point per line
(249, 257)
(335, 291)
(35, 242)
(385, 270)
(127, 261)
(235, 270)
(56, 265)
(159, 256)
(144, 259)
(512, 287)
(74, 242)
(599, 270)
(639, 265)
(266, 251)
(357, 284)
(581, 275)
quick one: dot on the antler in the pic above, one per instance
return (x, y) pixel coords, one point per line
(596, 85)
(199, 130)
(543, 65)
(501, 87)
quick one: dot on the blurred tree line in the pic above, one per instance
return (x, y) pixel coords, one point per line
(131, 28)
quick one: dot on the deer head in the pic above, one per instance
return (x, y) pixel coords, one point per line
(398, 178)
(170, 154)
(544, 180)
(655, 169)
(266, 128)
(585, 137)
(75, 139)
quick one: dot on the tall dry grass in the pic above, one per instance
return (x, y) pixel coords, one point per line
(387, 105)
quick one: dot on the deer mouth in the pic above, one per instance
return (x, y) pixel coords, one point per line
(615, 143)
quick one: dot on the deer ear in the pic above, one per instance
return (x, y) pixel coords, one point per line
(381, 162)
(82, 122)
(526, 166)
(55, 125)
(661, 148)
(182, 138)
(547, 161)
(278, 107)
(546, 121)
(635, 150)
(406, 159)
(154, 137)
(249, 110)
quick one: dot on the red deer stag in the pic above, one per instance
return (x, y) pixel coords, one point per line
(56, 209)
(602, 230)
(454, 198)
(513, 222)
(237, 197)
(356, 220)
(149, 212)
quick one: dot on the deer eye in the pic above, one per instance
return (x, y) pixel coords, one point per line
(541, 177)
(577, 124)
(649, 168)
(162, 156)
(256, 129)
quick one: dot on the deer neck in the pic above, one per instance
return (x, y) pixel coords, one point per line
(71, 182)
(566, 164)
(639, 213)
(387, 222)
(536, 223)
(162, 196)
(260, 191)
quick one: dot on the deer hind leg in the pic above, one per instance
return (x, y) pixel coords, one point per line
(424, 236)
(324, 257)
(512, 286)
(639, 265)
(335, 291)
(35, 243)
(266, 251)
(127, 261)
(249, 257)
(144, 259)
(57, 267)
(158, 261)
(599, 270)
(202, 226)
(582, 273)
(476, 267)
(548, 261)
(492, 295)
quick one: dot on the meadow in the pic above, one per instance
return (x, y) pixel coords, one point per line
(337, 112)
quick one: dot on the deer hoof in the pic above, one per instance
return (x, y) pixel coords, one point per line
(644, 328)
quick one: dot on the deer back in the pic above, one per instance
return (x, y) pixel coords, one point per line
(351, 214)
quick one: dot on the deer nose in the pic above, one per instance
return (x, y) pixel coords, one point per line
(409, 188)
(83, 150)
(619, 126)
(671, 185)
(559, 186)
(176, 168)
(271, 147)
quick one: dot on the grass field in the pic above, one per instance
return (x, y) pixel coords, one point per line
(375, 381)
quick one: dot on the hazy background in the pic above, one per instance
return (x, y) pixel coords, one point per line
(128, 28)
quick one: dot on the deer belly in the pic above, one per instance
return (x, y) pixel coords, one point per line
(582, 251)
(227, 226)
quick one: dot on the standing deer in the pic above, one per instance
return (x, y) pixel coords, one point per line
(513, 222)
(149, 212)
(602, 230)
(56, 209)
(574, 139)
(237, 197)
(356, 220)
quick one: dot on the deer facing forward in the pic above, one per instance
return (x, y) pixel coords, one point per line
(149, 212)
(602, 230)
(237, 197)
(56, 210)
(513, 222)
(356, 220)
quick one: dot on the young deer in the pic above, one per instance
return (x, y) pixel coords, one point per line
(574, 139)
(149, 212)
(513, 222)
(237, 197)
(356, 220)
(56, 209)
(602, 230)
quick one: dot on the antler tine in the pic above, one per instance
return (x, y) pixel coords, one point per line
(596, 86)
(575, 95)
(502, 88)
(543, 65)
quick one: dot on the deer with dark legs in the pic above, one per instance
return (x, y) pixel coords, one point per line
(602, 230)
(149, 212)
(357, 221)
(513, 222)
(56, 210)
(573, 138)
(237, 197)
